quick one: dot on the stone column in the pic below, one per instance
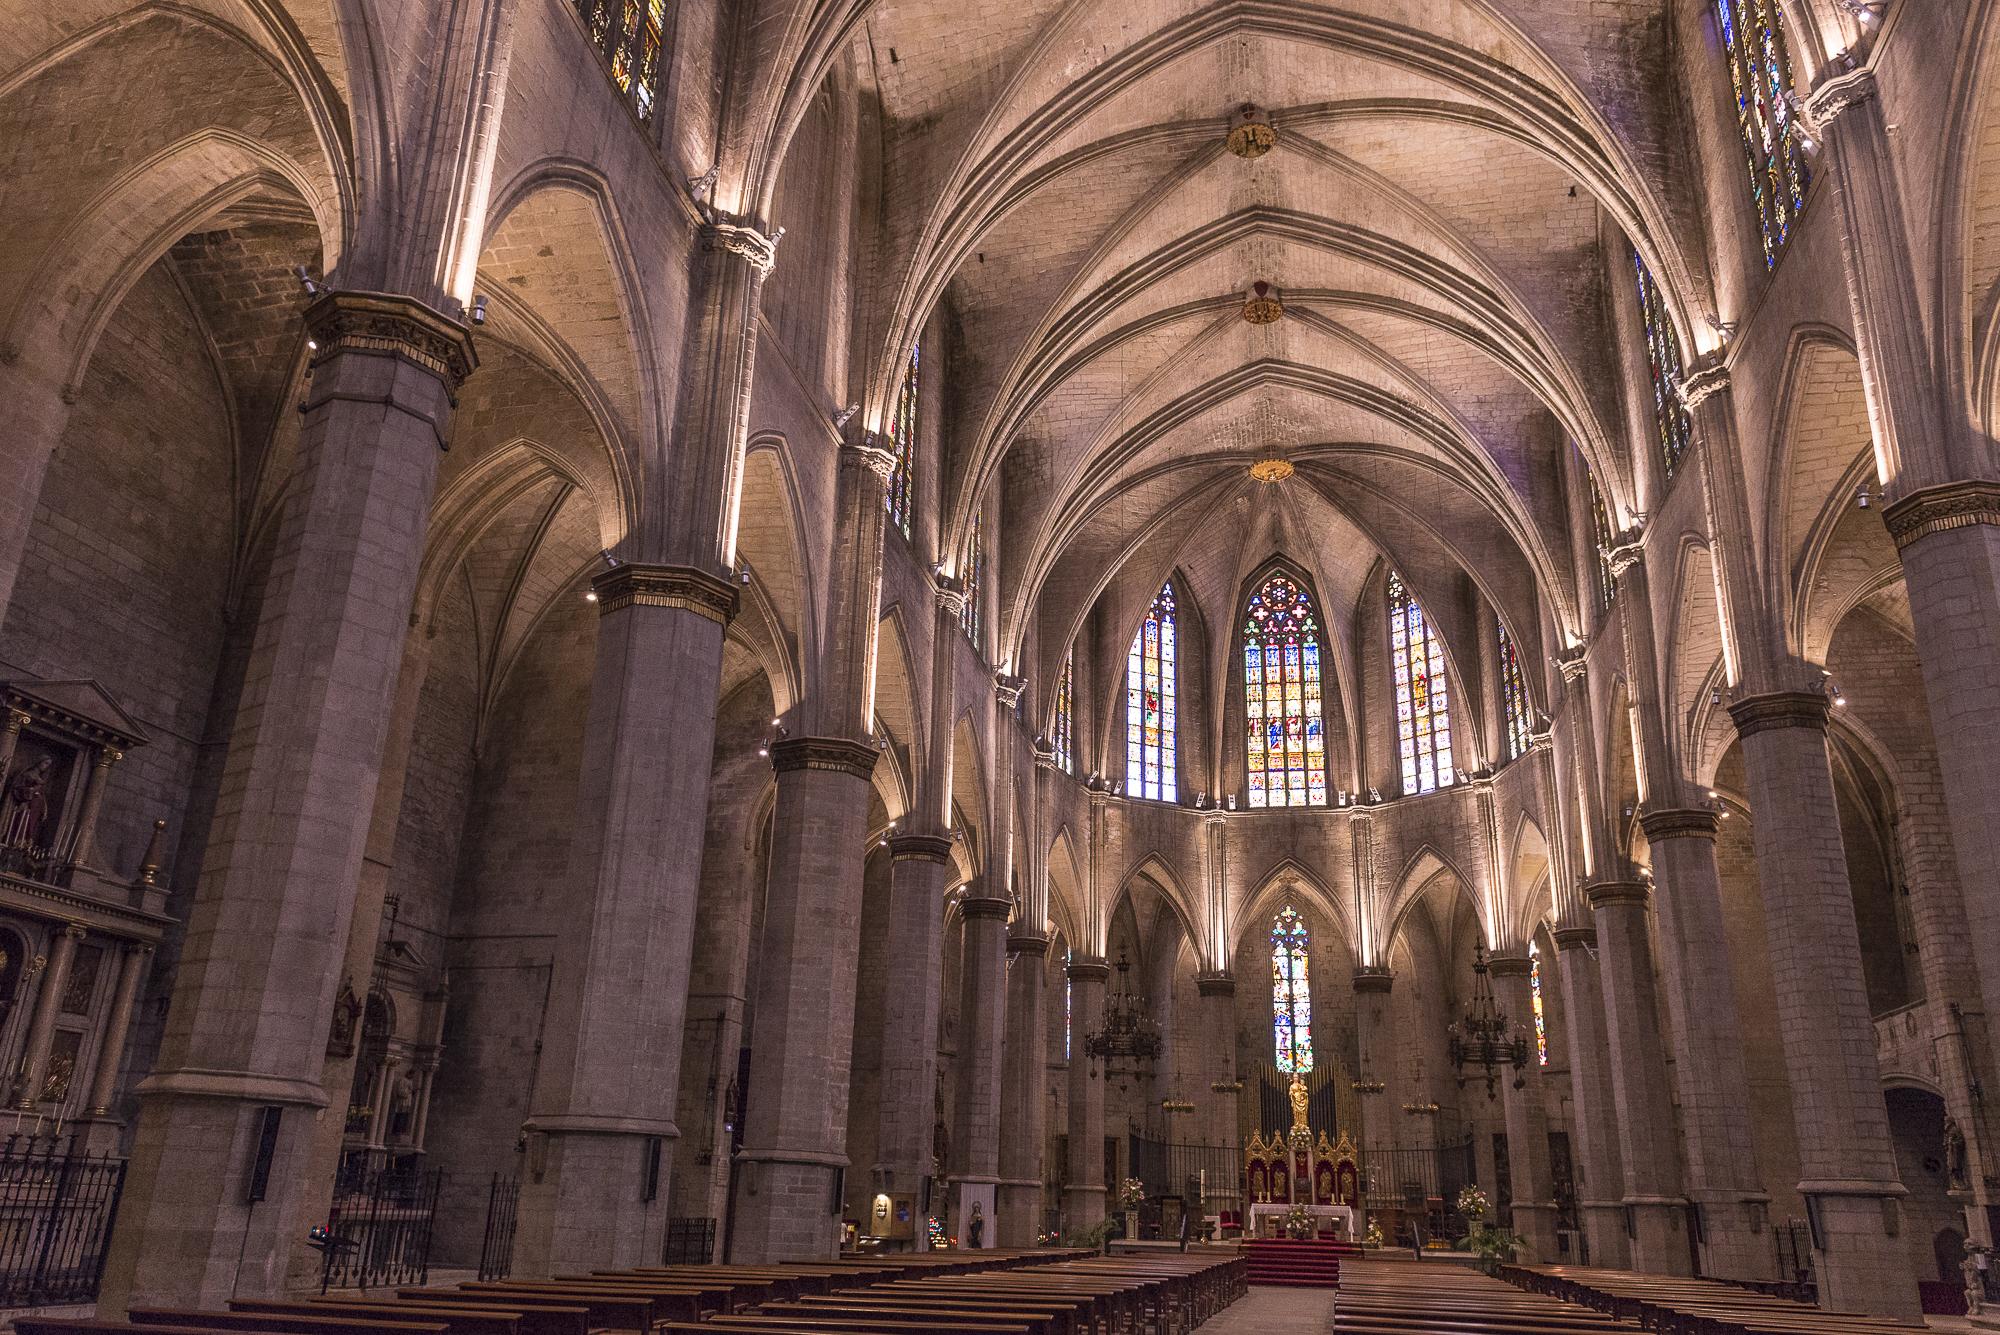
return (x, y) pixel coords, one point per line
(1862, 1260)
(117, 1026)
(1653, 1198)
(1720, 1158)
(1083, 1200)
(1223, 1095)
(610, 1064)
(93, 804)
(1024, 1105)
(795, 1125)
(42, 1028)
(982, 1011)
(261, 963)
(918, 874)
(1600, 1169)
(378, 1112)
(1374, 1072)
(1527, 1128)
(10, 735)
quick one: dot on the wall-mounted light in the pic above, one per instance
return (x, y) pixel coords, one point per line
(479, 310)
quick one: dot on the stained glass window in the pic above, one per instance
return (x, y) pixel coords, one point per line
(975, 574)
(1514, 691)
(1535, 995)
(1663, 359)
(1065, 727)
(1069, 997)
(1423, 712)
(1760, 73)
(1600, 523)
(1285, 735)
(1150, 754)
(628, 35)
(1291, 993)
(903, 440)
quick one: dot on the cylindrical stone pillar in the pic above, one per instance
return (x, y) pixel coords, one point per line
(117, 1026)
(1024, 1104)
(93, 804)
(982, 1027)
(1852, 1189)
(1655, 1206)
(1221, 1095)
(42, 1028)
(1527, 1127)
(1083, 1200)
(1374, 1079)
(795, 1108)
(1600, 1169)
(920, 869)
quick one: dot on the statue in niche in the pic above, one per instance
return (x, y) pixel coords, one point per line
(1957, 1166)
(402, 1106)
(975, 1227)
(25, 810)
(346, 1012)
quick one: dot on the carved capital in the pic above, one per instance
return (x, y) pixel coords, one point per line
(1935, 509)
(16, 720)
(680, 587)
(920, 848)
(1088, 969)
(382, 324)
(1007, 689)
(1678, 823)
(1836, 95)
(950, 593)
(1374, 978)
(1510, 966)
(1028, 943)
(1045, 754)
(1628, 549)
(1576, 938)
(1573, 664)
(1779, 709)
(1215, 983)
(834, 755)
(986, 908)
(745, 242)
(75, 931)
(1617, 894)
(870, 455)
(1706, 378)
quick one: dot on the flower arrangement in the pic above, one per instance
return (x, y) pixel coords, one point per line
(1131, 1194)
(1472, 1203)
(1299, 1221)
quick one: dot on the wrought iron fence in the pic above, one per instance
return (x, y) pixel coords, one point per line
(57, 1204)
(1187, 1171)
(1409, 1179)
(496, 1247)
(1793, 1240)
(690, 1241)
(379, 1231)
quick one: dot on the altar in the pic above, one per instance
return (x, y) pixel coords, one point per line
(1275, 1213)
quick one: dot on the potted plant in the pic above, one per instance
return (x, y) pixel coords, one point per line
(1491, 1244)
(1131, 1195)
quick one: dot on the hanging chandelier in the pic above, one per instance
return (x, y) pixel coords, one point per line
(1128, 1035)
(1484, 1036)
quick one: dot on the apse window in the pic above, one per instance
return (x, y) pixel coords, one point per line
(1760, 75)
(1423, 712)
(1291, 993)
(903, 443)
(1063, 738)
(1150, 735)
(627, 34)
(1285, 734)
(1514, 691)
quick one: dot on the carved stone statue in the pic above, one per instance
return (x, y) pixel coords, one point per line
(26, 808)
(975, 1227)
(1300, 1098)
(1957, 1165)
(346, 1011)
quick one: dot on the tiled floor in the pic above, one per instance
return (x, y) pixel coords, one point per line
(1274, 1311)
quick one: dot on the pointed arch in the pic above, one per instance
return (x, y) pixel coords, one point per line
(1529, 877)
(1154, 870)
(1289, 878)
(1425, 869)
(1283, 644)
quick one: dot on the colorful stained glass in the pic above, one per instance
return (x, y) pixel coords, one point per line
(1514, 692)
(903, 440)
(1600, 523)
(1069, 1001)
(975, 575)
(1285, 734)
(1760, 74)
(1065, 722)
(1150, 734)
(1291, 993)
(1663, 359)
(1423, 704)
(1535, 994)
(630, 35)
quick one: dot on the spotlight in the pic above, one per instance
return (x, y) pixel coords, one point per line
(590, 596)
(479, 310)
(305, 280)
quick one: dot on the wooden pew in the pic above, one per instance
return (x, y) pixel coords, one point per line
(456, 1321)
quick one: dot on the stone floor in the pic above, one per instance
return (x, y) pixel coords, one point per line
(1269, 1311)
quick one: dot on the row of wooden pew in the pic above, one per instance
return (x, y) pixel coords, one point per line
(1404, 1297)
(1681, 1306)
(987, 1293)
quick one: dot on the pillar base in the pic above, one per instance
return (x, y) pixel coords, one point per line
(1863, 1261)
(580, 1206)
(1020, 1213)
(785, 1208)
(1604, 1234)
(1082, 1208)
(1658, 1236)
(1536, 1225)
(1736, 1238)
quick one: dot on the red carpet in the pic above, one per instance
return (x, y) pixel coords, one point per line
(1303, 1265)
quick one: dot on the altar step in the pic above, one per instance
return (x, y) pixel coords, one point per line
(1296, 1264)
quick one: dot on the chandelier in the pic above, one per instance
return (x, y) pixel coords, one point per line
(1128, 1034)
(1484, 1036)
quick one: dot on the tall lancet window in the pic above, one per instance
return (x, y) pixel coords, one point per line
(1286, 737)
(1514, 692)
(1423, 705)
(1064, 740)
(1291, 993)
(627, 33)
(1663, 360)
(903, 442)
(1760, 73)
(1150, 753)
(975, 574)
(1535, 995)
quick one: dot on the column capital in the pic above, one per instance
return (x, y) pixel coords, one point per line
(1936, 509)
(16, 720)
(1376, 978)
(1573, 664)
(682, 588)
(986, 908)
(1088, 969)
(1628, 549)
(75, 931)
(1779, 709)
(1835, 95)
(920, 848)
(383, 324)
(1678, 823)
(1510, 966)
(1215, 983)
(1573, 938)
(747, 243)
(1706, 377)
(1028, 943)
(1616, 894)
(1045, 754)
(949, 592)
(870, 454)
(1007, 689)
(840, 755)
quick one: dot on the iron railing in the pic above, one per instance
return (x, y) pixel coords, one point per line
(1793, 1240)
(379, 1231)
(690, 1241)
(496, 1246)
(1186, 1171)
(1409, 1179)
(57, 1204)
